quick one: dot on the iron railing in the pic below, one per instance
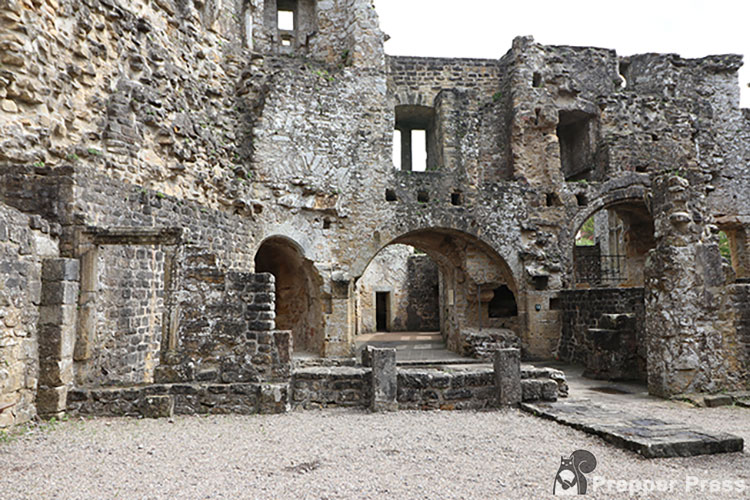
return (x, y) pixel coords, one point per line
(600, 269)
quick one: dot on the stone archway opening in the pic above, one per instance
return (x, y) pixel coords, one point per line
(603, 313)
(611, 246)
(451, 282)
(298, 296)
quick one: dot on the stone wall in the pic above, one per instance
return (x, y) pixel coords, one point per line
(739, 294)
(586, 312)
(183, 399)
(223, 327)
(168, 115)
(24, 244)
(128, 319)
(326, 387)
(419, 388)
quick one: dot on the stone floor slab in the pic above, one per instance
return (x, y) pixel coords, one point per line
(651, 438)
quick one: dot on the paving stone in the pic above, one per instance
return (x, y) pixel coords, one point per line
(717, 400)
(651, 438)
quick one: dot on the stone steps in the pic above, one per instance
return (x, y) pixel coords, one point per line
(649, 437)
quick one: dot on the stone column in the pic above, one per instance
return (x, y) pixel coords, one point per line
(405, 149)
(508, 376)
(57, 320)
(384, 378)
(340, 318)
(689, 347)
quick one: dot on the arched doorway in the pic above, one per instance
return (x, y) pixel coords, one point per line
(298, 296)
(603, 312)
(476, 293)
(612, 244)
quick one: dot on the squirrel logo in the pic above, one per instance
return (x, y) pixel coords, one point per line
(571, 473)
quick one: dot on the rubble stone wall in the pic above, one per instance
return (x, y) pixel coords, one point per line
(583, 310)
(24, 243)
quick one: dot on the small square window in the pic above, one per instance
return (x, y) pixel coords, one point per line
(286, 20)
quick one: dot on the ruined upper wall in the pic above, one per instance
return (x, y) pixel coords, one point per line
(339, 32)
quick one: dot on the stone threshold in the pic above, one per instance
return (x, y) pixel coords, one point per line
(649, 437)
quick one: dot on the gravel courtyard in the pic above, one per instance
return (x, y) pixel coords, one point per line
(351, 454)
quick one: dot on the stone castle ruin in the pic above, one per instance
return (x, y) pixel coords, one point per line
(194, 193)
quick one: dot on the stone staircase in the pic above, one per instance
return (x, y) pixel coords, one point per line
(413, 348)
(614, 348)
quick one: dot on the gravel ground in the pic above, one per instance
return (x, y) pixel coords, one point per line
(348, 454)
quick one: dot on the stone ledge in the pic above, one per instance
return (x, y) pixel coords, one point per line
(649, 437)
(193, 398)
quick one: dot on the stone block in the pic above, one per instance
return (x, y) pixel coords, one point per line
(507, 366)
(56, 342)
(60, 270)
(549, 390)
(285, 347)
(157, 406)
(51, 400)
(54, 373)
(383, 379)
(274, 398)
(58, 315)
(715, 400)
(59, 292)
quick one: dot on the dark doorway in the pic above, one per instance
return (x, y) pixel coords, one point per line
(503, 303)
(381, 311)
(297, 299)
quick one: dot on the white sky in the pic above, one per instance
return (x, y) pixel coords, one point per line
(486, 28)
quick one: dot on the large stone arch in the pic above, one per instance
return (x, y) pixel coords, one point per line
(471, 270)
(299, 301)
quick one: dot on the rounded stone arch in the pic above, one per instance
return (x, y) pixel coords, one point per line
(611, 195)
(470, 271)
(444, 222)
(298, 291)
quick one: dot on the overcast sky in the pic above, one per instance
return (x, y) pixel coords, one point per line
(486, 28)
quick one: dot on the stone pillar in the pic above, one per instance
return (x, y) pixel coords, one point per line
(57, 320)
(405, 149)
(340, 320)
(689, 347)
(508, 376)
(384, 378)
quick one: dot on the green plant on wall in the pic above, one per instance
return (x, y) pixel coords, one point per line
(585, 235)
(724, 248)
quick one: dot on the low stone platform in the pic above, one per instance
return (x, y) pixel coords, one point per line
(651, 438)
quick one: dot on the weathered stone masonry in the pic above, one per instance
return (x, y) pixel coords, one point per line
(164, 146)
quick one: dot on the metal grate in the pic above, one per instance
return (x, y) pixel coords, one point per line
(600, 269)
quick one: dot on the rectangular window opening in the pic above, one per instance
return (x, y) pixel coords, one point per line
(286, 20)
(418, 150)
